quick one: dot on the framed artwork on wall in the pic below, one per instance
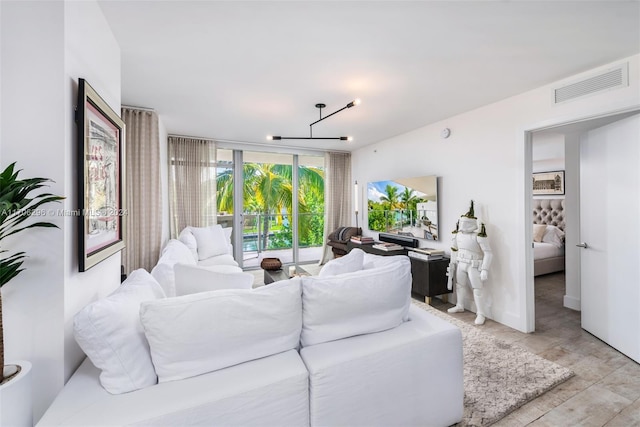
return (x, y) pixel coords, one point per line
(101, 180)
(548, 183)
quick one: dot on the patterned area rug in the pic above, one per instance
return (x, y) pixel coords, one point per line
(499, 377)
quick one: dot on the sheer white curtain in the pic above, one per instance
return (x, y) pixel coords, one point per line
(143, 193)
(192, 183)
(338, 196)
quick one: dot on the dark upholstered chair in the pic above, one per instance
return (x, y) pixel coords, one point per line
(339, 238)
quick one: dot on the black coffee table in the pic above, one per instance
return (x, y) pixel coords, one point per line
(271, 276)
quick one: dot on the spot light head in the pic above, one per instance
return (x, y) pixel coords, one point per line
(274, 138)
(355, 102)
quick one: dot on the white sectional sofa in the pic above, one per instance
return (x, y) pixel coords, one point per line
(333, 350)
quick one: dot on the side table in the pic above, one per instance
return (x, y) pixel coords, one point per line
(271, 276)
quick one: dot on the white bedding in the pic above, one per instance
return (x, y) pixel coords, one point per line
(546, 250)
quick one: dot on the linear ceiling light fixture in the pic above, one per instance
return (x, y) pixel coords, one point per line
(319, 106)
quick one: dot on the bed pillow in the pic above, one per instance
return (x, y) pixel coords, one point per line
(223, 328)
(111, 335)
(353, 261)
(538, 232)
(357, 303)
(553, 235)
(211, 241)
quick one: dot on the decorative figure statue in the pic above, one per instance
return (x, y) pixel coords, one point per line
(470, 260)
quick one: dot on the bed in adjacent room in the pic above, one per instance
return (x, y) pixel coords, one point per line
(548, 236)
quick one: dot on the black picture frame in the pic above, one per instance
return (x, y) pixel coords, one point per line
(101, 178)
(548, 183)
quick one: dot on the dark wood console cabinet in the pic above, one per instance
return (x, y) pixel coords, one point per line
(429, 277)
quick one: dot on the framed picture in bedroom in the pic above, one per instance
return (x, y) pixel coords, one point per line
(548, 183)
(101, 180)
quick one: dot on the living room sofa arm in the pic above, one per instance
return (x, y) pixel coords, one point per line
(409, 375)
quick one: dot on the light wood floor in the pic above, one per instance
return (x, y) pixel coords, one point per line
(605, 390)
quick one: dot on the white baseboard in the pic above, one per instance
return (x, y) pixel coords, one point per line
(572, 303)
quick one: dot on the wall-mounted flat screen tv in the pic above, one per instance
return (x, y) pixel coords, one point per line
(407, 206)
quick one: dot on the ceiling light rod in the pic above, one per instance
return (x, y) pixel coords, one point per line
(278, 138)
(319, 106)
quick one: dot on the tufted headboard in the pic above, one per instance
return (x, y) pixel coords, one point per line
(549, 211)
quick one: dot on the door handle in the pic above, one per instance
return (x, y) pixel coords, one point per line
(582, 245)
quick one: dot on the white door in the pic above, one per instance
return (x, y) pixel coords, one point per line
(610, 232)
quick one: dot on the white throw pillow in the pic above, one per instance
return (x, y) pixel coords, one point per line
(538, 232)
(374, 261)
(174, 252)
(111, 335)
(193, 278)
(353, 261)
(211, 241)
(227, 235)
(356, 303)
(165, 276)
(223, 328)
(187, 237)
(553, 235)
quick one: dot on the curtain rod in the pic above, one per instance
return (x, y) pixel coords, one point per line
(190, 137)
(138, 108)
(227, 142)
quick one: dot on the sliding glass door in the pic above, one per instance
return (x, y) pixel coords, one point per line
(310, 208)
(276, 200)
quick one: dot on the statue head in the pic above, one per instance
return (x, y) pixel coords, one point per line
(468, 222)
(467, 225)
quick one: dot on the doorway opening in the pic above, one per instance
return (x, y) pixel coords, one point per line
(559, 293)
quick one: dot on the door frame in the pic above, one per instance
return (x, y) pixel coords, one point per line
(526, 134)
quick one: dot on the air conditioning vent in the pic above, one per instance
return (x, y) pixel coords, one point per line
(611, 79)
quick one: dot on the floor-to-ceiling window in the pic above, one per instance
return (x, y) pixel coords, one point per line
(282, 209)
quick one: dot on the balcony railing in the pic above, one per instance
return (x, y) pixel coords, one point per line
(274, 231)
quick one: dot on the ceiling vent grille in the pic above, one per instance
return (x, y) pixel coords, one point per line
(610, 79)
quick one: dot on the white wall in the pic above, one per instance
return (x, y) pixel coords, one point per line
(484, 160)
(547, 154)
(46, 47)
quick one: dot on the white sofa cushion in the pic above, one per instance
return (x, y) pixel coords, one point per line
(174, 252)
(225, 259)
(374, 261)
(211, 241)
(189, 240)
(351, 262)
(222, 328)
(272, 391)
(111, 335)
(355, 303)
(227, 236)
(191, 279)
(411, 375)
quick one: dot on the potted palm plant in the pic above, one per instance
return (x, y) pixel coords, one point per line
(17, 204)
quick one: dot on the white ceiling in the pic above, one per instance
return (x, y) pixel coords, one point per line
(238, 71)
